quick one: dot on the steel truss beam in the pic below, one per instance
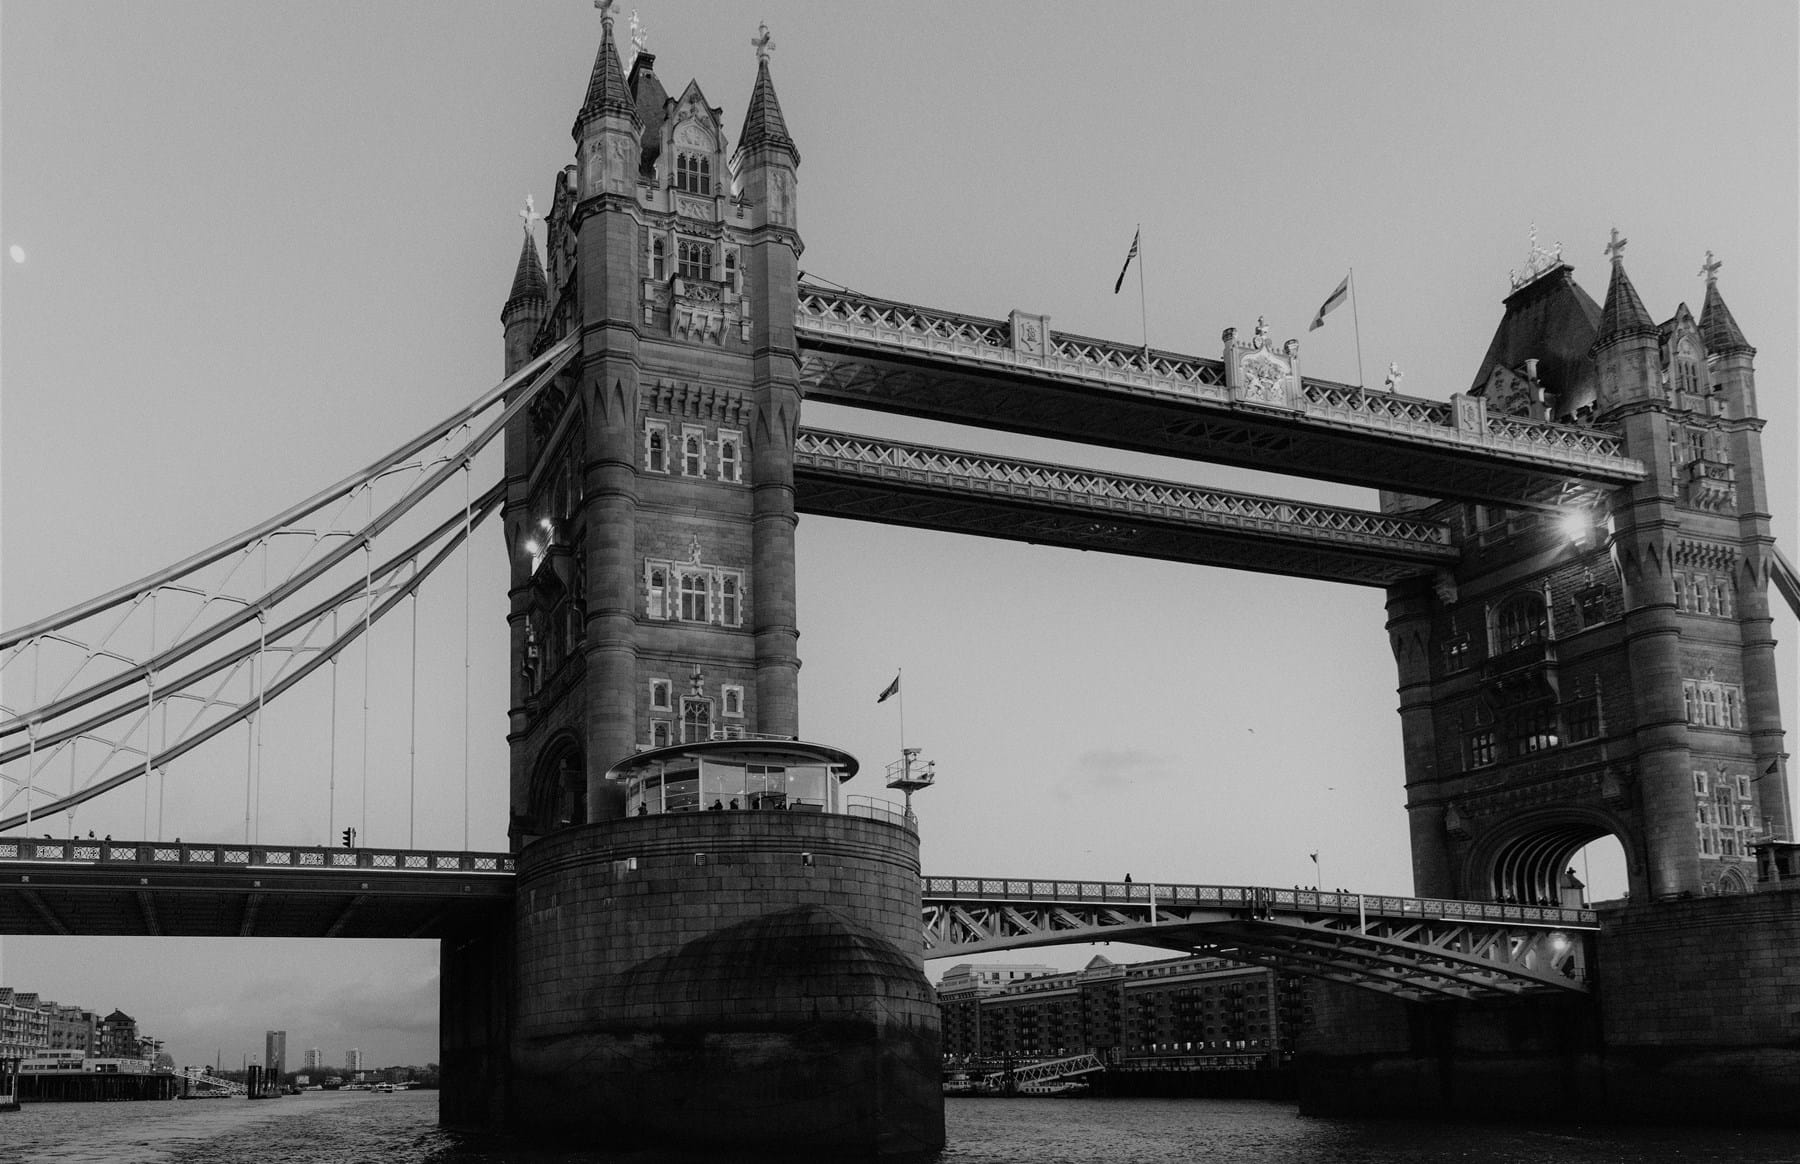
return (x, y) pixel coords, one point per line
(1414, 948)
(843, 475)
(920, 361)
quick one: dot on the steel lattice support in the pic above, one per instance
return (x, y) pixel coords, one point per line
(1415, 948)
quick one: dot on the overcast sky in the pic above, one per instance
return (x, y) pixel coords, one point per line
(264, 243)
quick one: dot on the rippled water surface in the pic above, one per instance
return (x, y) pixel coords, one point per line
(365, 1128)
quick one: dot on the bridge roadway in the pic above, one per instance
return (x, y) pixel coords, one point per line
(1017, 375)
(1416, 948)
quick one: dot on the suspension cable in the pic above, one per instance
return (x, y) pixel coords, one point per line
(331, 766)
(412, 726)
(468, 559)
(368, 648)
(489, 502)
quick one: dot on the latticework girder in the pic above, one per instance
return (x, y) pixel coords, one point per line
(120, 685)
(921, 361)
(844, 475)
(1415, 948)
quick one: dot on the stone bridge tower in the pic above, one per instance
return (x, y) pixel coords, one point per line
(1611, 672)
(712, 945)
(650, 507)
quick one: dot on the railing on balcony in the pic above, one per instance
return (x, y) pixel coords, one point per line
(90, 852)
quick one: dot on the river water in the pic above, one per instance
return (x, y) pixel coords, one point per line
(365, 1128)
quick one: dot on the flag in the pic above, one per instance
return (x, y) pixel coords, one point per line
(891, 689)
(1332, 302)
(1315, 856)
(1129, 255)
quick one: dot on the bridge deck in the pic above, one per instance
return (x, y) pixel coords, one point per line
(171, 890)
(924, 362)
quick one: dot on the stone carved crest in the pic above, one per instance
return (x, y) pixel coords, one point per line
(1256, 372)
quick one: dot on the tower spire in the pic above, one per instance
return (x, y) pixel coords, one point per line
(528, 278)
(1717, 327)
(606, 91)
(1623, 313)
(763, 123)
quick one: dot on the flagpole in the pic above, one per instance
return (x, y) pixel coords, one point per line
(900, 694)
(1143, 314)
(1356, 319)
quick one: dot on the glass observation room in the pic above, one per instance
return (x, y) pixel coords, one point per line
(735, 776)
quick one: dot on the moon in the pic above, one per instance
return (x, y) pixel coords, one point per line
(17, 252)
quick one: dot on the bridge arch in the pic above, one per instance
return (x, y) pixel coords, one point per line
(1524, 860)
(559, 785)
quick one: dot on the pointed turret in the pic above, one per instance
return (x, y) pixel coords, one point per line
(763, 123)
(1717, 326)
(607, 91)
(528, 283)
(1623, 313)
(528, 301)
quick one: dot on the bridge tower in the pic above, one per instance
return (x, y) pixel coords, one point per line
(1611, 673)
(746, 977)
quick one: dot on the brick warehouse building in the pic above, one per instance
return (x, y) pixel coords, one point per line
(1613, 675)
(1191, 1009)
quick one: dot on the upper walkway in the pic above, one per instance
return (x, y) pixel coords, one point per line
(1018, 375)
(840, 474)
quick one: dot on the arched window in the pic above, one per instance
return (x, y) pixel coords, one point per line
(658, 604)
(656, 449)
(693, 455)
(731, 270)
(696, 720)
(694, 593)
(693, 173)
(1519, 622)
(693, 261)
(659, 259)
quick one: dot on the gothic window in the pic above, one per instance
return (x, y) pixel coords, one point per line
(659, 695)
(1728, 707)
(1721, 598)
(1535, 730)
(1743, 787)
(1682, 599)
(733, 698)
(1482, 750)
(1709, 706)
(1700, 783)
(659, 733)
(1591, 602)
(693, 452)
(659, 260)
(696, 720)
(1702, 596)
(694, 261)
(694, 593)
(656, 604)
(656, 447)
(1519, 622)
(731, 270)
(693, 173)
(730, 604)
(1582, 718)
(730, 456)
(1456, 653)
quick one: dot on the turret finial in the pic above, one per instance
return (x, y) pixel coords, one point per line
(606, 12)
(1537, 262)
(1710, 268)
(1616, 248)
(762, 42)
(640, 38)
(530, 214)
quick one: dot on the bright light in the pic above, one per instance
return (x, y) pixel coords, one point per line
(1577, 526)
(532, 548)
(545, 523)
(17, 252)
(1559, 942)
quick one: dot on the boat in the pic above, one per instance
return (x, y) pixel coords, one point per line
(384, 1089)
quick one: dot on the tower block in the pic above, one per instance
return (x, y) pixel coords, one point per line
(1605, 669)
(714, 944)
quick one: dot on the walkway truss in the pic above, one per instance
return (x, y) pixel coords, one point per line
(124, 684)
(1414, 948)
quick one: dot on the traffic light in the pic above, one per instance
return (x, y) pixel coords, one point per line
(350, 838)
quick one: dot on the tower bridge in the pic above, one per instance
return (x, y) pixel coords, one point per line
(1556, 685)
